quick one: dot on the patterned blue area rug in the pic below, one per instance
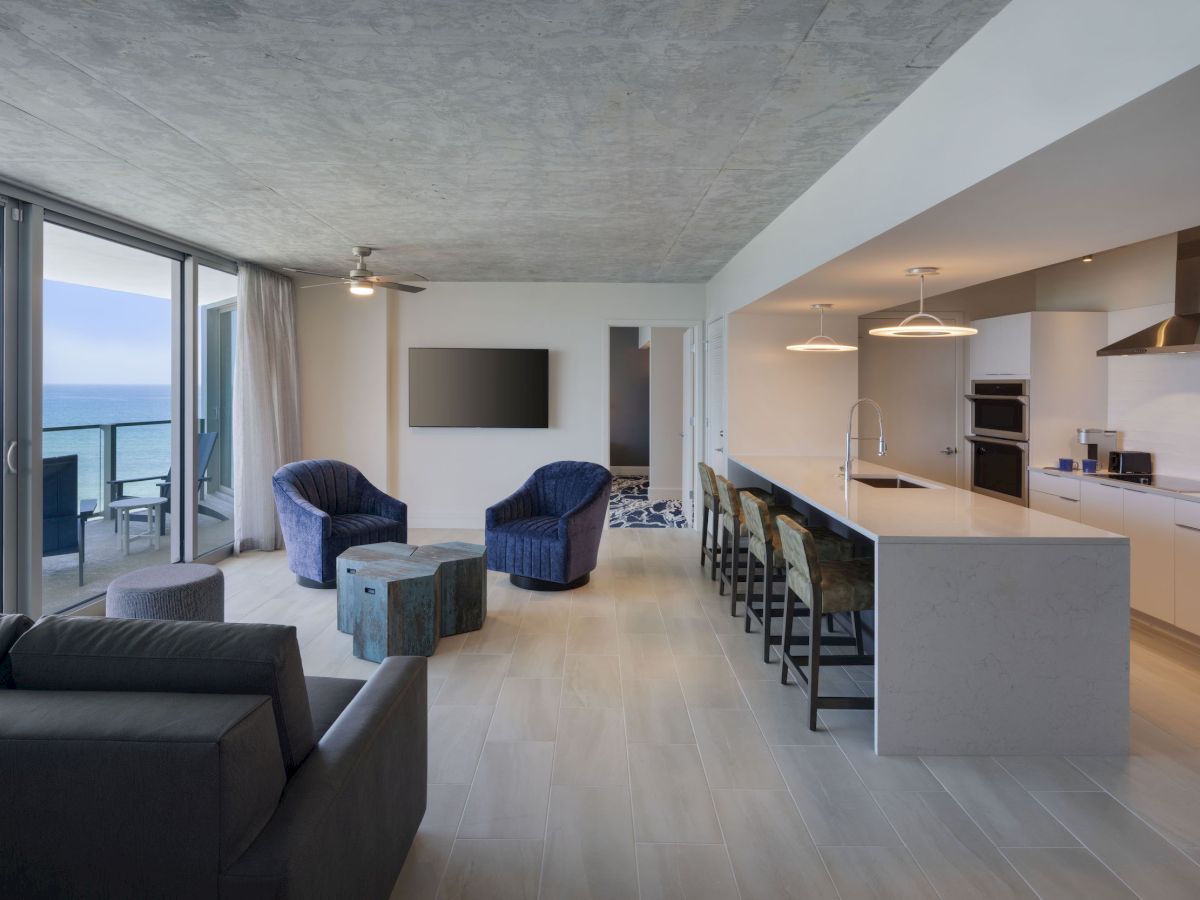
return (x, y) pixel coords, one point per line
(629, 506)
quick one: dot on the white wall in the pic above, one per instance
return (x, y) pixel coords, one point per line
(450, 476)
(786, 402)
(343, 351)
(666, 411)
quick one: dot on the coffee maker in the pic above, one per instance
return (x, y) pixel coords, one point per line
(1099, 442)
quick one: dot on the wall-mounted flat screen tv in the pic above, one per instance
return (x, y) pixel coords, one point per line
(478, 388)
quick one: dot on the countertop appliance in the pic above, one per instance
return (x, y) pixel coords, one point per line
(1181, 332)
(1000, 409)
(1130, 462)
(1100, 442)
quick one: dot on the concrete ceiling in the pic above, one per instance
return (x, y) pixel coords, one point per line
(1126, 177)
(639, 140)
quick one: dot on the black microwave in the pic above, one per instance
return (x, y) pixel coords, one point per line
(1000, 409)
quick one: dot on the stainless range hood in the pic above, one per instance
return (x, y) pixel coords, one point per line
(1181, 332)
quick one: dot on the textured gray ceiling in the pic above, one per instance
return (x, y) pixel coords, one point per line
(635, 140)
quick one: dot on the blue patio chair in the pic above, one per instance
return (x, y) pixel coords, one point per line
(64, 518)
(206, 444)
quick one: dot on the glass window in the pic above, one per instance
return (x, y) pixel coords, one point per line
(216, 311)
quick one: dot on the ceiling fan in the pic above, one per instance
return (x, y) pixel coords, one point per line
(362, 280)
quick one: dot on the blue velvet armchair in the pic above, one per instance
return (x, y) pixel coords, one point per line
(325, 507)
(547, 534)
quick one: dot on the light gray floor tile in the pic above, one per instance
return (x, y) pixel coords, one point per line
(640, 618)
(1005, 811)
(878, 873)
(691, 636)
(734, 752)
(671, 799)
(426, 860)
(1139, 856)
(508, 797)
(782, 713)
(546, 614)
(1163, 790)
(592, 681)
(474, 680)
(1068, 872)
(591, 748)
(655, 712)
(589, 846)
(717, 610)
(832, 799)
(527, 710)
(538, 655)
(432, 686)
(685, 872)
(498, 634)
(956, 857)
(708, 683)
(456, 735)
(592, 635)
(493, 870)
(854, 731)
(1046, 773)
(772, 853)
(646, 656)
(744, 652)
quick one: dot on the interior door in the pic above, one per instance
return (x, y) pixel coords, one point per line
(919, 384)
(687, 410)
(714, 396)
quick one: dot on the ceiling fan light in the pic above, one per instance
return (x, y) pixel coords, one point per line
(361, 289)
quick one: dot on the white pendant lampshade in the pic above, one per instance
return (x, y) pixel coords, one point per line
(922, 324)
(821, 343)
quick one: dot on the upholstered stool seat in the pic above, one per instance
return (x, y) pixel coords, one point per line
(184, 592)
(825, 588)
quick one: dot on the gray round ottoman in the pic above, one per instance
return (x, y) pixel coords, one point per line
(184, 591)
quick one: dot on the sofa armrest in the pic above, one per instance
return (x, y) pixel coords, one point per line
(377, 503)
(518, 505)
(349, 814)
(581, 517)
(299, 512)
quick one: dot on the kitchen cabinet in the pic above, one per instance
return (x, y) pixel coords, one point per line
(1052, 494)
(1002, 346)
(1102, 506)
(1149, 520)
(1187, 565)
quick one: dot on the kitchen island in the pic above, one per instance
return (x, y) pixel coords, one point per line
(998, 629)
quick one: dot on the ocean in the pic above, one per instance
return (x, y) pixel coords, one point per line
(142, 450)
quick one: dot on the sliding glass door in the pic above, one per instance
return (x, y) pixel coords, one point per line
(8, 407)
(216, 332)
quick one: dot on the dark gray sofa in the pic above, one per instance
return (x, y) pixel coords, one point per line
(147, 758)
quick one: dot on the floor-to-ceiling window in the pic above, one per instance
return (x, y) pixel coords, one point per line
(216, 330)
(107, 374)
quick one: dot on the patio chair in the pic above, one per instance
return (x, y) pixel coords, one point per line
(64, 517)
(206, 445)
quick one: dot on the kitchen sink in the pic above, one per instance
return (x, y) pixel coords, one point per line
(883, 482)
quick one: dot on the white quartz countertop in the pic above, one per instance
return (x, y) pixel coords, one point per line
(938, 513)
(1115, 482)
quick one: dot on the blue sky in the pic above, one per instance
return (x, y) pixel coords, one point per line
(94, 336)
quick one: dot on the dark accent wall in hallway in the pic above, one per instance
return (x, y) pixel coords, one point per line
(628, 400)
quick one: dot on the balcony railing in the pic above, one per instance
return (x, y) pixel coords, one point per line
(98, 466)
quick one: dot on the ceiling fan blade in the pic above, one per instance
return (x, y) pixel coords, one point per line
(395, 286)
(305, 287)
(307, 272)
(407, 276)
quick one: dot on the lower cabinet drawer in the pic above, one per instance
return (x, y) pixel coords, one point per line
(1064, 507)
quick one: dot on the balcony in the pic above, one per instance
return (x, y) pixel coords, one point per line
(105, 453)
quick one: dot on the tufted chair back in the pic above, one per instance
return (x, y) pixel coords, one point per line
(559, 487)
(708, 483)
(330, 485)
(727, 496)
(800, 553)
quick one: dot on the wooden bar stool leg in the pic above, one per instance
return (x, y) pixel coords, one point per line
(767, 605)
(858, 633)
(703, 532)
(716, 523)
(814, 659)
(724, 564)
(735, 562)
(786, 644)
(749, 597)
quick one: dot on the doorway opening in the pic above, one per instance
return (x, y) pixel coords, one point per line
(651, 392)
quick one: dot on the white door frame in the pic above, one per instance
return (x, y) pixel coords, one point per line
(704, 448)
(697, 374)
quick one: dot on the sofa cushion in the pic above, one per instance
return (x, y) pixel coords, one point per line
(85, 653)
(327, 697)
(11, 628)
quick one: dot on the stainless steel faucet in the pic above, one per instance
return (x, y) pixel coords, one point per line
(851, 437)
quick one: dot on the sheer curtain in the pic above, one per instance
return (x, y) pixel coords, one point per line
(266, 407)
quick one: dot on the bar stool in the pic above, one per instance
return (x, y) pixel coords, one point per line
(732, 538)
(825, 587)
(764, 547)
(711, 512)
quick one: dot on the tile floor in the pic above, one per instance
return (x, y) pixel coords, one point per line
(625, 740)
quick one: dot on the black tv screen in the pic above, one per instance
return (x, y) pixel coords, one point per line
(466, 388)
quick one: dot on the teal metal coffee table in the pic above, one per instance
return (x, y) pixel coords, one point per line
(399, 599)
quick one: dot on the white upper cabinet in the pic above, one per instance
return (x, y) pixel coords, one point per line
(1002, 348)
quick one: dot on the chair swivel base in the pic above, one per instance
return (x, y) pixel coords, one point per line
(320, 585)
(536, 584)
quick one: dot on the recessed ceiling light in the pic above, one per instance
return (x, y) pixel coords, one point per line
(821, 343)
(1087, 258)
(922, 324)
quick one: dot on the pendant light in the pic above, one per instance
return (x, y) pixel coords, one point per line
(821, 343)
(923, 324)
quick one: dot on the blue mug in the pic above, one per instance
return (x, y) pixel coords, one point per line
(1089, 466)
(1066, 465)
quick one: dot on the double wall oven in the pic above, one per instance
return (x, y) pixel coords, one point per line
(999, 438)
